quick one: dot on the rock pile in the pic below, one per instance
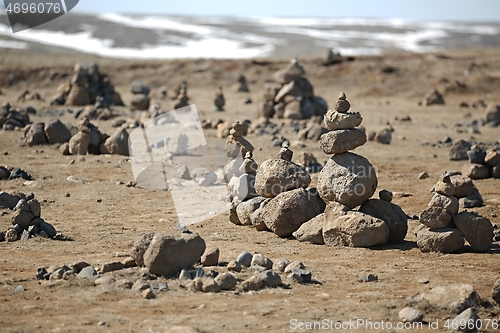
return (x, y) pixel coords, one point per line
(7, 172)
(87, 86)
(446, 228)
(287, 207)
(242, 85)
(11, 118)
(433, 98)
(291, 96)
(86, 138)
(25, 218)
(248, 273)
(140, 99)
(483, 164)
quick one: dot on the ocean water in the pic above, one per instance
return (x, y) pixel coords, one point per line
(167, 37)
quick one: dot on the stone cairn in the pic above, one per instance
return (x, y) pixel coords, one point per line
(11, 118)
(482, 164)
(242, 85)
(445, 228)
(26, 220)
(87, 86)
(286, 206)
(140, 99)
(291, 96)
(219, 100)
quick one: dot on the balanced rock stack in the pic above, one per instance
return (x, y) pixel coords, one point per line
(219, 100)
(446, 228)
(347, 178)
(140, 99)
(283, 203)
(26, 220)
(85, 87)
(291, 96)
(11, 118)
(242, 85)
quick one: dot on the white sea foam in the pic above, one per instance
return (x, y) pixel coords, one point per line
(247, 37)
(85, 42)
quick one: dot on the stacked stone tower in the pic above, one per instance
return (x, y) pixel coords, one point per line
(347, 178)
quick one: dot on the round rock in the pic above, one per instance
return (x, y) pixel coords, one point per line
(276, 176)
(347, 178)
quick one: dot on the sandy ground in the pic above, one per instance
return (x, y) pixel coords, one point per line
(103, 218)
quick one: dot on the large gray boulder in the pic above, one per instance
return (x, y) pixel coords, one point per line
(356, 230)
(347, 178)
(116, 143)
(391, 214)
(459, 149)
(444, 240)
(285, 213)
(277, 175)
(477, 230)
(57, 132)
(167, 254)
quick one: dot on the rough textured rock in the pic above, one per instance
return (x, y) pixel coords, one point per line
(311, 231)
(435, 217)
(57, 132)
(22, 217)
(454, 297)
(472, 200)
(347, 178)
(167, 254)
(271, 279)
(253, 283)
(476, 171)
(336, 120)
(384, 136)
(285, 213)
(449, 203)
(79, 144)
(226, 281)
(391, 214)
(276, 176)
(247, 208)
(444, 240)
(36, 134)
(140, 246)
(459, 150)
(468, 321)
(476, 229)
(245, 258)
(116, 143)
(259, 259)
(463, 186)
(495, 171)
(210, 257)
(340, 141)
(355, 229)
